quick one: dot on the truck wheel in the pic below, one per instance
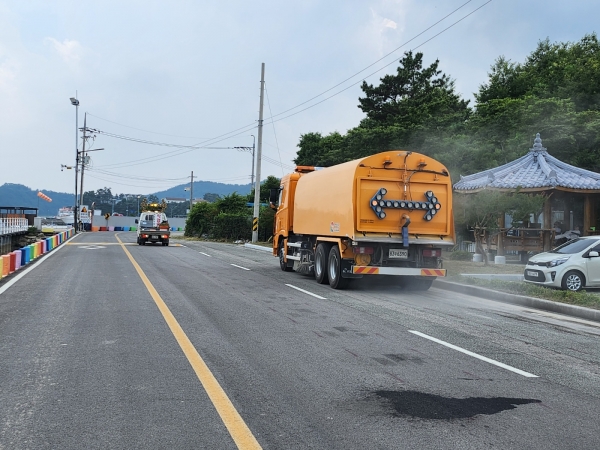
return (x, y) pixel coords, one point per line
(282, 263)
(335, 269)
(321, 263)
(166, 243)
(139, 242)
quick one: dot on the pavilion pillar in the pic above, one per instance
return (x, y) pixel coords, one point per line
(588, 214)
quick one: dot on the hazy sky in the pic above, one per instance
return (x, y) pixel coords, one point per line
(188, 73)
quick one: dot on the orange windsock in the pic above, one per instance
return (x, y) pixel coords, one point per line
(44, 196)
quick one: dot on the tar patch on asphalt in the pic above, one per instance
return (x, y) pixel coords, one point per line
(431, 406)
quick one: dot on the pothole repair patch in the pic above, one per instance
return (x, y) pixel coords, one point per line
(431, 406)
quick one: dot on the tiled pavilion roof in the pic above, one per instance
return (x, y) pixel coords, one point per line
(536, 171)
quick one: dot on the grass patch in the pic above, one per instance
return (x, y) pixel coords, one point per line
(581, 298)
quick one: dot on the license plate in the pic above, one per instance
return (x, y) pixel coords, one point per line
(398, 253)
(154, 237)
(532, 274)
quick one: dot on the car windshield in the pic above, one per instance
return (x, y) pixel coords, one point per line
(573, 246)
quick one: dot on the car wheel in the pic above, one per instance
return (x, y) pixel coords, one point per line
(573, 281)
(335, 269)
(321, 263)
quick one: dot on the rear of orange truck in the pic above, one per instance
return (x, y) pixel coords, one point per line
(388, 214)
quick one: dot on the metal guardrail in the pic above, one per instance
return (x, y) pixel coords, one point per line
(13, 225)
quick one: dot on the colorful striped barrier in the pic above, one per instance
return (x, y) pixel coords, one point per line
(16, 259)
(12, 262)
(5, 265)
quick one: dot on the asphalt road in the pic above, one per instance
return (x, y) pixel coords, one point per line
(119, 346)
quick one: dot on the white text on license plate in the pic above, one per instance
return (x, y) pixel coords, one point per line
(532, 274)
(398, 253)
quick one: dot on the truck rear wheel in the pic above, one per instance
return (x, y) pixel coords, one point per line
(335, 269)
(321, 256)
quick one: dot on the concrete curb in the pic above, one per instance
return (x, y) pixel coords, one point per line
(476, 291)
(259, 247)
(531, 302)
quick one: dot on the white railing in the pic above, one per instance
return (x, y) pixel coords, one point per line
(13, 225)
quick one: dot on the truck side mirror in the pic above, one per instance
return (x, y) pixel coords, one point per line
(137, 221)
(274, 195)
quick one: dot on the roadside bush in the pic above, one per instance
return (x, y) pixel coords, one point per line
(232, 227)
(201, 219)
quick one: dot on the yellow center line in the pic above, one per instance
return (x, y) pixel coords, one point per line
(239, 431)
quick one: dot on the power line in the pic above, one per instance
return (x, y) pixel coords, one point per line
(381, 68)
(146, 131)
(246, 128)
(372, 64)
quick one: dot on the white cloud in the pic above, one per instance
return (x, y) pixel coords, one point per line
(387, 23)
(70, 51)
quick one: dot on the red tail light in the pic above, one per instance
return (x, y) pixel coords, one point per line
(432, 252)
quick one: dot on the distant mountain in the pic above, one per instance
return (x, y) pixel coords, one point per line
(205, 187)
(18, 195)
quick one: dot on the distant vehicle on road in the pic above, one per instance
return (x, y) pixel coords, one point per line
(153, 226)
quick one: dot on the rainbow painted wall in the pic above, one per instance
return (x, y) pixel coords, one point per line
(18, 259)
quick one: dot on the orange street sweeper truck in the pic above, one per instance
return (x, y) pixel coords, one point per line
(385, 214)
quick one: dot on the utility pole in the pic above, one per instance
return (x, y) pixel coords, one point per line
(252, 176)
(75, 102)
(191, 190)
(258, 158)
(82, 167)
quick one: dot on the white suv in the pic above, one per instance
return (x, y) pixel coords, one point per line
(572, 265)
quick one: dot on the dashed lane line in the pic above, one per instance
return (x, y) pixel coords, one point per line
(475, 355)
(306, 292)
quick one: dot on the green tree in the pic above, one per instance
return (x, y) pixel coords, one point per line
(232, 204)
(271, 182)
(415, 97)
(201, 219)
(211, 197)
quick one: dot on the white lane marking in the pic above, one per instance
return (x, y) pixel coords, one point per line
(205, 254)
(306, 292)
(475, 355)
(239, 267)
(91, 247)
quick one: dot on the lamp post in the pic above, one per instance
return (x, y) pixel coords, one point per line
(138, 197)
(75, 103)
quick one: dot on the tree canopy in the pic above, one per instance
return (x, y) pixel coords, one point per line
(554, 92)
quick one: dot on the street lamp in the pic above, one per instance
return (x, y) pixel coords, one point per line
(75, 103)
(138, 197)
